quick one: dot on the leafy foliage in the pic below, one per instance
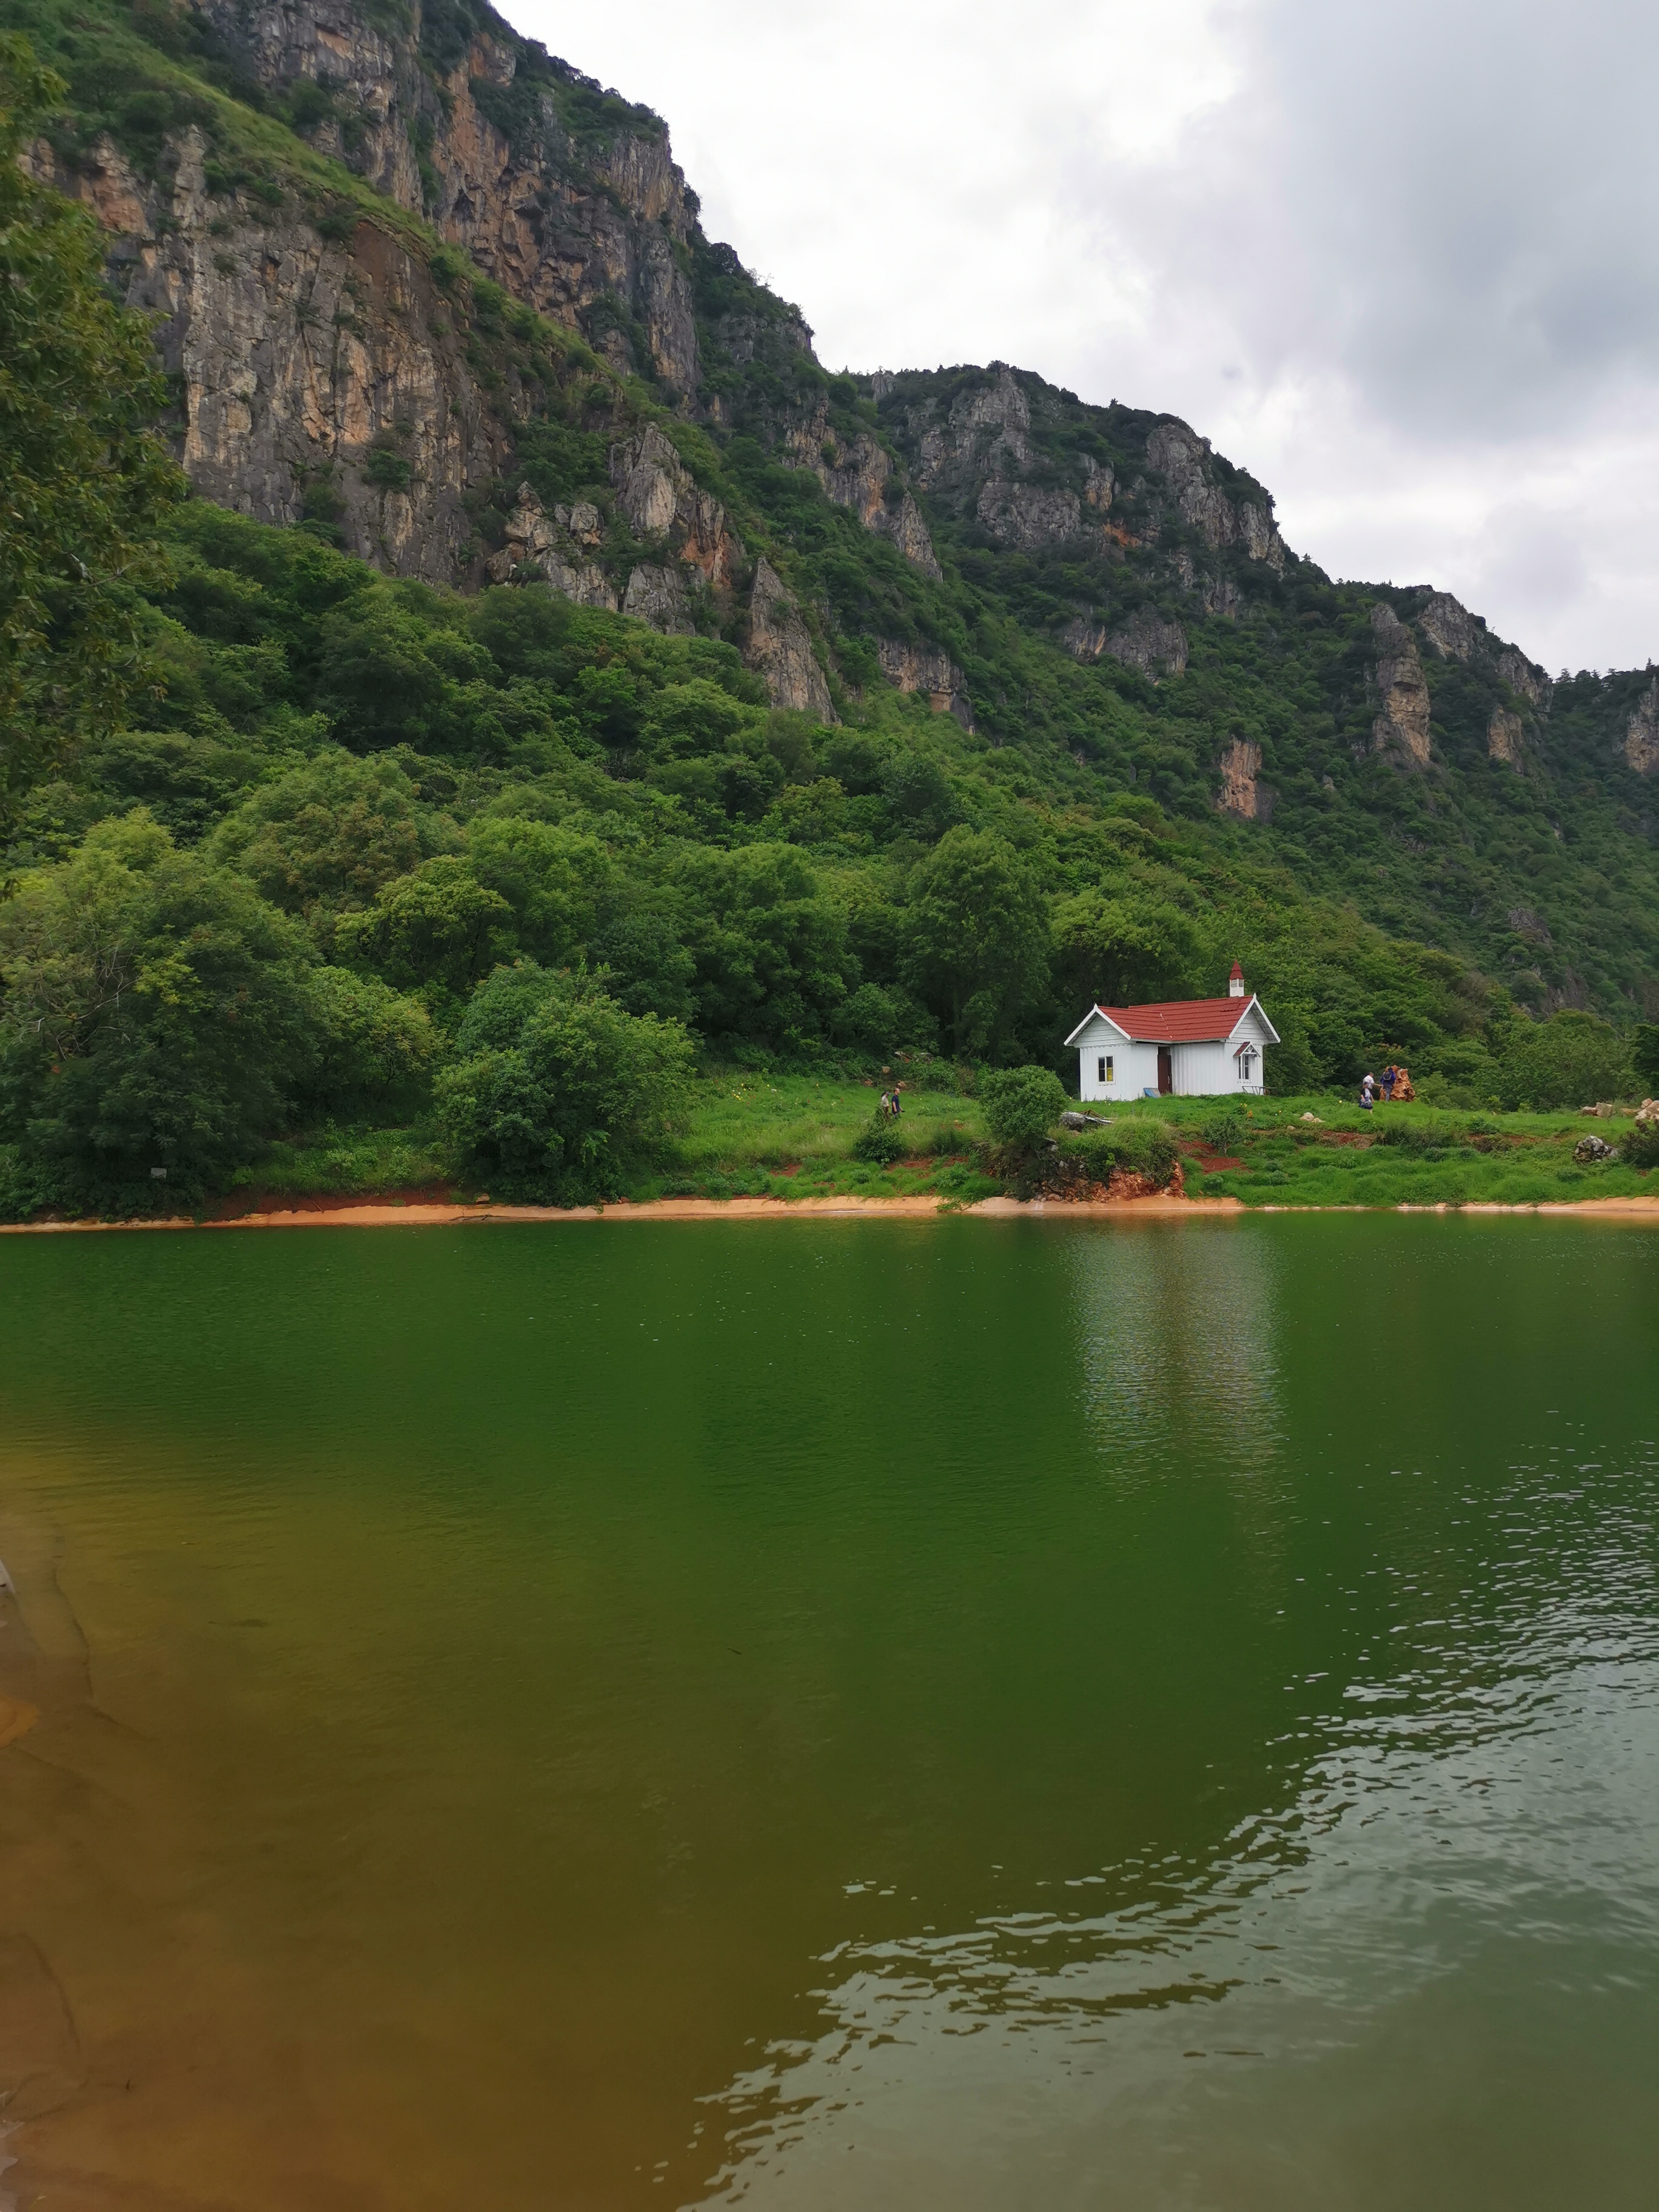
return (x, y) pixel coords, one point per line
(84, 478)
(555, 1086)
(1021, 1105)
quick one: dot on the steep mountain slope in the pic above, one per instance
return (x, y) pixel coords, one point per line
(430, 292)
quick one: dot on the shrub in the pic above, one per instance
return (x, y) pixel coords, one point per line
(1639, 1148)
(879, 1141)
(1223, 1129)
(1022, 1105)
(558, 1086)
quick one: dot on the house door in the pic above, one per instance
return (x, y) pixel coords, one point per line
(1166, 1072)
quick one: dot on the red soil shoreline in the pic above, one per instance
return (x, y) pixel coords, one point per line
(322, 1213)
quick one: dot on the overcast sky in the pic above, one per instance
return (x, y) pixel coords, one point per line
(1401, 262)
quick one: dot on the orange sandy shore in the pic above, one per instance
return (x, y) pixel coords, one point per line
(421, 1215)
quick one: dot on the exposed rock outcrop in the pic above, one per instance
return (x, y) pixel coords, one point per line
(499, 177)
(986, 433)
(314, 375)
(1028, 516)
(1146, 642)
(927, 669)
(1641, 732)
(1182, 459)
(657, 595)
(1402, 726)
(1527, 682)
(779, 647)
(661, 498)
(553, 549)
(1451, 629)
(858, 473)
(1242, 793)
(1504, 737)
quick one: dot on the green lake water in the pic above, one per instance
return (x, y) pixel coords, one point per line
(832, 1717)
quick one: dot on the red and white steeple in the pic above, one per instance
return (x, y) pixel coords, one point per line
(1236, 983)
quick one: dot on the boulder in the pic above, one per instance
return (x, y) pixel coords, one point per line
(1075, 1121)
(1588, 1150)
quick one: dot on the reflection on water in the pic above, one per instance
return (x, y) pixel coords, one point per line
(1176, 1343)
(1176, 2029)
(862, 1714)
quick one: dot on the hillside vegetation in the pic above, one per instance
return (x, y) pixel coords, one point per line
(951, 704)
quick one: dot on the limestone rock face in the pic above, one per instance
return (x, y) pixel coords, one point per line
(779, 647)
(1242, 794)
(312, 374)
(318, 373)
(1146, 642)
(1402, 726)
(1527, 682)
(559, 233)
(661, 499)
(1182, 459)
(858, 473)
(657, 595)
(1451, 629)
(1504, 737)
(987, 431)
(1641, 732)
(553, 549)
(327, 42)
(925, 668)
(1028, 516)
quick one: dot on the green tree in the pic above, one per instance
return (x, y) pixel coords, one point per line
(1123, 952)
(556, 1088)
(975, 948)
(326, 837)
(438, 926)
(373, 1049)
(554, 879)
(1021, 1105)
(1572, 1060)
(83, 479)
(1644, 1053)
(157, 1014)
(772, 959)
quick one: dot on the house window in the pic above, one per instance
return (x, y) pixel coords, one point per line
(1105, 1068)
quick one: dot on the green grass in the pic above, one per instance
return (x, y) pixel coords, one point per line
(1504, 1159)
(340, 1162)
(790, 1136)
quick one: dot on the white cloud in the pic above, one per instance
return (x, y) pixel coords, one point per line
(1401, 266)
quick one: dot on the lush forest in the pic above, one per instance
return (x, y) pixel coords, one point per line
(296, 846)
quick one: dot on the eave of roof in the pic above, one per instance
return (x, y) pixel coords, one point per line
(1179, 1021)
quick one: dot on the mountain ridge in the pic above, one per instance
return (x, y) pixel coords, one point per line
(431, 293)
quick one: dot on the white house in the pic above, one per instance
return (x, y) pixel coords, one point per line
(1183, 1049)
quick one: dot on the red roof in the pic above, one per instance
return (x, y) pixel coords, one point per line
(1179, 1021)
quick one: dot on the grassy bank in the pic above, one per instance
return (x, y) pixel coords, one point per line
(756, 1135)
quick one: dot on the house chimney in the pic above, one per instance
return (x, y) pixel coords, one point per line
(1236, 983)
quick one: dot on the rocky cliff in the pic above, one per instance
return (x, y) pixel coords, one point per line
(427, 291)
